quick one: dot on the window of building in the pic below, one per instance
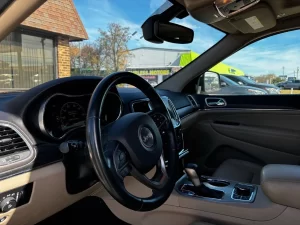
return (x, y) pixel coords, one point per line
(26, 60)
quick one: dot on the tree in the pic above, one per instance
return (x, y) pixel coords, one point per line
(266, 78)
(277, 80)
(74, 54)
(100, 56)
(109, 52)
(88, 55)
(113, 43)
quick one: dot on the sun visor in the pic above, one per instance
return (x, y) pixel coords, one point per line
(256, 19)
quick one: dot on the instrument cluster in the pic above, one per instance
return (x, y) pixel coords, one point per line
(61, 113)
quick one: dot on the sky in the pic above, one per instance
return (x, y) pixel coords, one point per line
(266, 56)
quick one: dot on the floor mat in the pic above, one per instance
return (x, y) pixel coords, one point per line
(89, 211)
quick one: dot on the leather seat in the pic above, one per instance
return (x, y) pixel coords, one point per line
(239, 170)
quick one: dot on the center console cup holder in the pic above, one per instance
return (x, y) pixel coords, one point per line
(201, 191)
(213, 188)
(218, 183)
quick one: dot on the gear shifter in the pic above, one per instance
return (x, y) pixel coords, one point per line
(191, 172)
(198, 189)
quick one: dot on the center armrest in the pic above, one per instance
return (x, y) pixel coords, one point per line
(281, 183)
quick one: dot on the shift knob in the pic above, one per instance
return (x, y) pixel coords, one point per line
(191, 172)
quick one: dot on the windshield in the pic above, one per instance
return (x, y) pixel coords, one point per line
(98, 37)
(228, 81)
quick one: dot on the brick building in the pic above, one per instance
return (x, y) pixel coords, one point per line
(38, 50)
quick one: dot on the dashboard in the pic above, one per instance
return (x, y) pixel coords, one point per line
(54, 113)
(36, 125)
(60, 114)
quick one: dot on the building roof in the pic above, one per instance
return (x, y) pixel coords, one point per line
(163, 49)
(58, 16)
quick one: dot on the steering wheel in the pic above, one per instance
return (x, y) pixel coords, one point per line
(133, 145)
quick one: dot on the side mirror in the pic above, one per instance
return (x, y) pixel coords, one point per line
(223, 84)
(156, 31)
(209, 82)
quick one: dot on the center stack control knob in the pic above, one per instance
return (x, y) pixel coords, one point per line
(8, 204)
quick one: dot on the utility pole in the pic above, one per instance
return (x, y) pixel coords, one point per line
(79, 58)
(297, 72)
(283, 70)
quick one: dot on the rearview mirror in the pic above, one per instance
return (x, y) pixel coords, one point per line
(173, 33)
(209, 82)
(156, 31)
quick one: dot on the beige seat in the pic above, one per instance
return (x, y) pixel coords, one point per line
(201, 223)
(239, 170)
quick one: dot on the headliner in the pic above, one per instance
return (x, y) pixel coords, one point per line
(282, 9)
(4, 4)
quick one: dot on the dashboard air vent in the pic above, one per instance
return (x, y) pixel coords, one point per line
(193, 101)
(10, 141)
(143, 105)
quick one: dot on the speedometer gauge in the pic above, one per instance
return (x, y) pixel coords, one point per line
(72, 115)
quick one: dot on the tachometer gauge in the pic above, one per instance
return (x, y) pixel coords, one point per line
(72, 115)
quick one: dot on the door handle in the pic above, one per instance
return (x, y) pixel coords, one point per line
(215, 102)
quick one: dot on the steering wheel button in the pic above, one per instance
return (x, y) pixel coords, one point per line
(122, 158)
(124, 172)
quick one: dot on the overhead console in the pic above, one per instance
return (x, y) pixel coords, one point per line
(227, 8)
(245, 16)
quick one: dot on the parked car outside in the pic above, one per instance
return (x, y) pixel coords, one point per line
(229, 87)
(281, 84)
(295, 84)
(242, 80)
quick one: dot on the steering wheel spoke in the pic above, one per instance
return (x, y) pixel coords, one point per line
(158, 181)
(159, 119)
(117, 157)
(121, 162)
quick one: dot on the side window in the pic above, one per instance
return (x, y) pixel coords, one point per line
(268, 66)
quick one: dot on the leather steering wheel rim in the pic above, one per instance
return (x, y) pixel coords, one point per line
(134, 144)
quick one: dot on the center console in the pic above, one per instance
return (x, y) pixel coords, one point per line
(214, 189)
(217, 189)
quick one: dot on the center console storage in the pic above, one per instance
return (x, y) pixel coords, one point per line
(281, 183)
(218, 189)
(228, 197)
